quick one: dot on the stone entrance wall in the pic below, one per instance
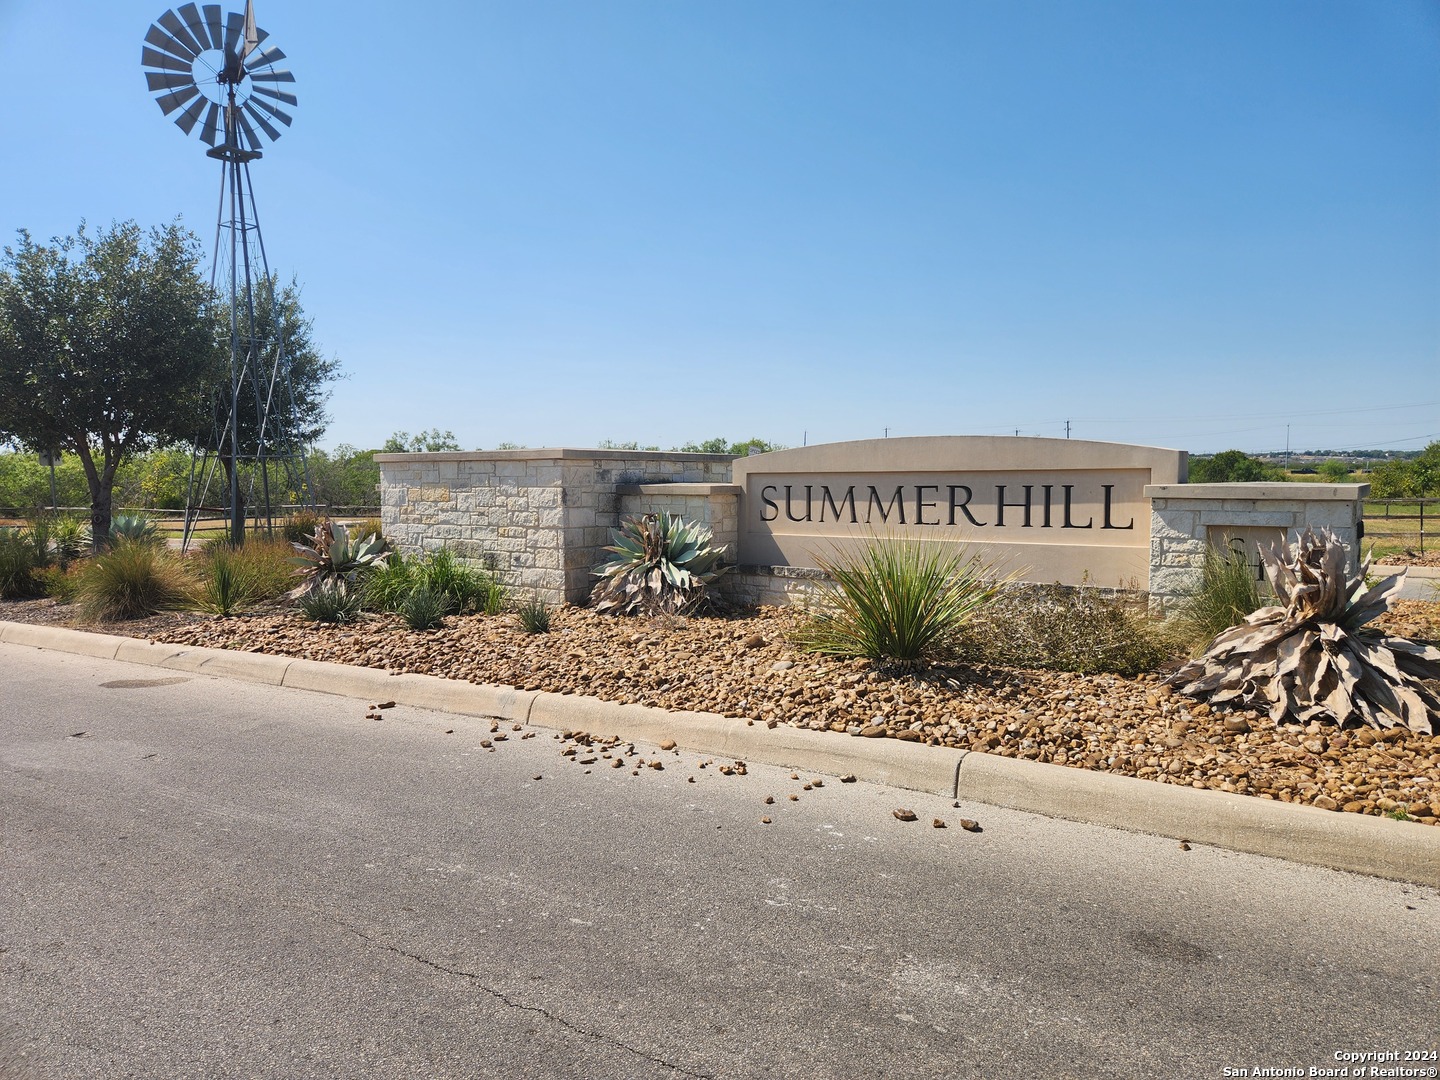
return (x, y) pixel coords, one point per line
(1068, 511)
(537, 518)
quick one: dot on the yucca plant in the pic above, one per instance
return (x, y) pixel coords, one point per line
(227, 584)
(1314, 658)
(331, 601)
(660, 565)
(899, 603)
(332, 555)
(69, 539)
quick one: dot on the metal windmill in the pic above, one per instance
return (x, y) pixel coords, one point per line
(215, 74)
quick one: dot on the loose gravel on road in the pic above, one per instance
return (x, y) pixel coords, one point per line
(743, 666)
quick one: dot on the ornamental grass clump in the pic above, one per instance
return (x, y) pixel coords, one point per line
(133, 579)
(459, 588)
(534, 616)
(660, 565)
(1313, 657)
(1228, 591)
(899, 603)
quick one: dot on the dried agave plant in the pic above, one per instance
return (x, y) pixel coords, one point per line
(1313, 658)
(660, 565)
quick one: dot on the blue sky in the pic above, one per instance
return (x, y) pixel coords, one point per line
(551, 223)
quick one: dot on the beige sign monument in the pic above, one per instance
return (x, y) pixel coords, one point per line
(1048, 509)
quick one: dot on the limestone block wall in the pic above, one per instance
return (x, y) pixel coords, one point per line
(716, 506)
(1185, 519)
(536, 518)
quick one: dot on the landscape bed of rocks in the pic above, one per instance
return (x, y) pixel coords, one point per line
(743, 666)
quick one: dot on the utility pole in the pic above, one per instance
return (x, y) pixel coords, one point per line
(1067, 429)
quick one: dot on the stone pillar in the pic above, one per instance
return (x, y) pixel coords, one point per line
(1185, 519)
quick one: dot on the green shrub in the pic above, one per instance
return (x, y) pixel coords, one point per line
(134, 527)
(899, 603)
(300, 526)
(1228, 591)
(659, 565)
(534, 616)
(468, 589)
(133, 579)
(331, 601)
(463, 588)
(18, 564)
(386, 587)
(424, 608)
(1061, 628)
(60, 583)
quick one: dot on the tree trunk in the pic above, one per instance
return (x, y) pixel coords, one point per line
(101, 496)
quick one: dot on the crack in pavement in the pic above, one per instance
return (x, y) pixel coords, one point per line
(510, 1003)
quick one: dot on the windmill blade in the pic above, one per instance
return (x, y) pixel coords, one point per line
(170, 102)
(171, 22)
(278, 95)
(234, 31)
(262, 57)
(196, 25)
(165, 43)
(212, 24)
(207, 130)
(186, 120)
(265, 125)
(247, 130)
(159, 80)
(280, 75)
(156, 59)
(278, 114)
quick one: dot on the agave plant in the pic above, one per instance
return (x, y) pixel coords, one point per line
(1313, 658)
(660, 565)
(136, 528)
(334, 556)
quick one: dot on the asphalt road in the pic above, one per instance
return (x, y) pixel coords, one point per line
(206, 878)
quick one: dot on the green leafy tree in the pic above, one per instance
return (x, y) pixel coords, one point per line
(107, 347)
(1231, 467)
(433, 441)
(280, 321)
(720, 445)
(1334, 471)
(345, 477)
(25, 483)
(1408, 478)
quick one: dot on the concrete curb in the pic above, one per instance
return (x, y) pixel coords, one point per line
(1398, 850)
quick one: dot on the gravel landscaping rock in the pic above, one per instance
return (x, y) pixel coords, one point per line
(742, 666)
